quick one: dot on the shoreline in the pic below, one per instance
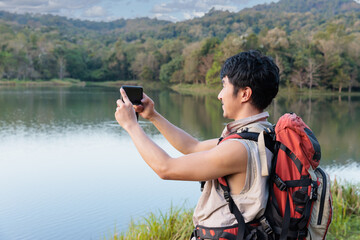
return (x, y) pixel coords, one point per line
(183, 88)
(42, 83)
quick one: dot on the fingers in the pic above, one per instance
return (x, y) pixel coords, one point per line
(124, 96)
(145, 99)
(119, 103)
(138, 108)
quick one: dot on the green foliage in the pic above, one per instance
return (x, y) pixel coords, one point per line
(209, 45)
(147, 74)
(212, 76)
(176, 224)
(314, 43)
(167, 70)
(75, 63)
(346, 215)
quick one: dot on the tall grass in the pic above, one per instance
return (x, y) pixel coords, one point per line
(346, 211)
(176, 224)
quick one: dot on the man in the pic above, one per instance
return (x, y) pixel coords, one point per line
(250, 82)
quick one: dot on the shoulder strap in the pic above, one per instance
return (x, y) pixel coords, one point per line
(269, 141)
(253, 136)
(233, 209)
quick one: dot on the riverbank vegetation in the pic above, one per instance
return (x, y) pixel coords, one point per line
(176, 224)
(315, 44)
(37, 82)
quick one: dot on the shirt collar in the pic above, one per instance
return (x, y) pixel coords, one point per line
(237, 124)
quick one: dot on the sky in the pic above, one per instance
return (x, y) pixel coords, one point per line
(109, 10)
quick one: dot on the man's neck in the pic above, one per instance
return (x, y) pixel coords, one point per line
(247, 112)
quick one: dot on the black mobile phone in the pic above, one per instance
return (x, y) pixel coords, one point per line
(134, 93)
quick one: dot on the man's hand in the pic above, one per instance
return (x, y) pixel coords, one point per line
(125, 114)
(146, 109)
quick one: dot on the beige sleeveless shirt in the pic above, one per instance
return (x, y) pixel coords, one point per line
(212, 209)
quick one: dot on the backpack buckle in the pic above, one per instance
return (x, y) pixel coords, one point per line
(266, 225)
(195, 233)
(227, 196)
(202, 184)
(279, 183)
(314, 188)
(302, 235)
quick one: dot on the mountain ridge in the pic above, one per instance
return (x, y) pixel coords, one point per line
(215, 23)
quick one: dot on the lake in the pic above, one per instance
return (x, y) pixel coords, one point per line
(69, 171)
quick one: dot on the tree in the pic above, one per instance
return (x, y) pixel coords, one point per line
(75, 63)
(145, 66)
(167, 70)
(59, 53)
(332, 44)
(191, 61)
(117, 63)
(213, 75)
(276, 41)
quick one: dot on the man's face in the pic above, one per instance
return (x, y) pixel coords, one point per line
(229, 102)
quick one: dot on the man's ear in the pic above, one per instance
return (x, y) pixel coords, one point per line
(245, 94)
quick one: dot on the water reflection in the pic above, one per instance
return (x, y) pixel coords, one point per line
(79, 182)
(332, 119)
(68, 171)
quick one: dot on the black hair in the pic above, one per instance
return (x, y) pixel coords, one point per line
(254, 70)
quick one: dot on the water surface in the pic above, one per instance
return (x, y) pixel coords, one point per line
(68, 170)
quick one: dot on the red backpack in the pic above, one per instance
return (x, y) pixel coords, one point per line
(299, 204)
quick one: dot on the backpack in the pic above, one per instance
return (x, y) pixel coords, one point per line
(299, 204)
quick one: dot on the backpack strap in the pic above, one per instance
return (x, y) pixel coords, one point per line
(268, 141)
(265, 139)
(233, 208)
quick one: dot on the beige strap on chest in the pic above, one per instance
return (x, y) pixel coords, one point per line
(263, 156)
(261, 145)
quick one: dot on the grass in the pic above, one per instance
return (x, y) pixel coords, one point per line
(114, 83)
(76, 82)
(52, 82)
(196, 89)
(176, 224)
(346, 207)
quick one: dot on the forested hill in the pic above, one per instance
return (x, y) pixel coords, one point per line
(130, 27)
(324, 7)
(315, 43)
(213, 24)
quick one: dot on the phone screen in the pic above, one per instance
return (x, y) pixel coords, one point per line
(134, 93)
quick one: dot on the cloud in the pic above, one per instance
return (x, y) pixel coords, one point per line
(190, 15)
(196, 8)
(173, 10)
(162, 8)
(189, 6)
(95, 12)
(166, 17)
(61, 7)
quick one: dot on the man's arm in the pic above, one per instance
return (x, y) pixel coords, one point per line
(180, 139)
(227, 158)
(177, 137)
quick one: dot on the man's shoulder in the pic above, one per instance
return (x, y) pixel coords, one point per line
(233, 147)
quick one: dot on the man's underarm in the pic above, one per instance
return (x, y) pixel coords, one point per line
(180, 139)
